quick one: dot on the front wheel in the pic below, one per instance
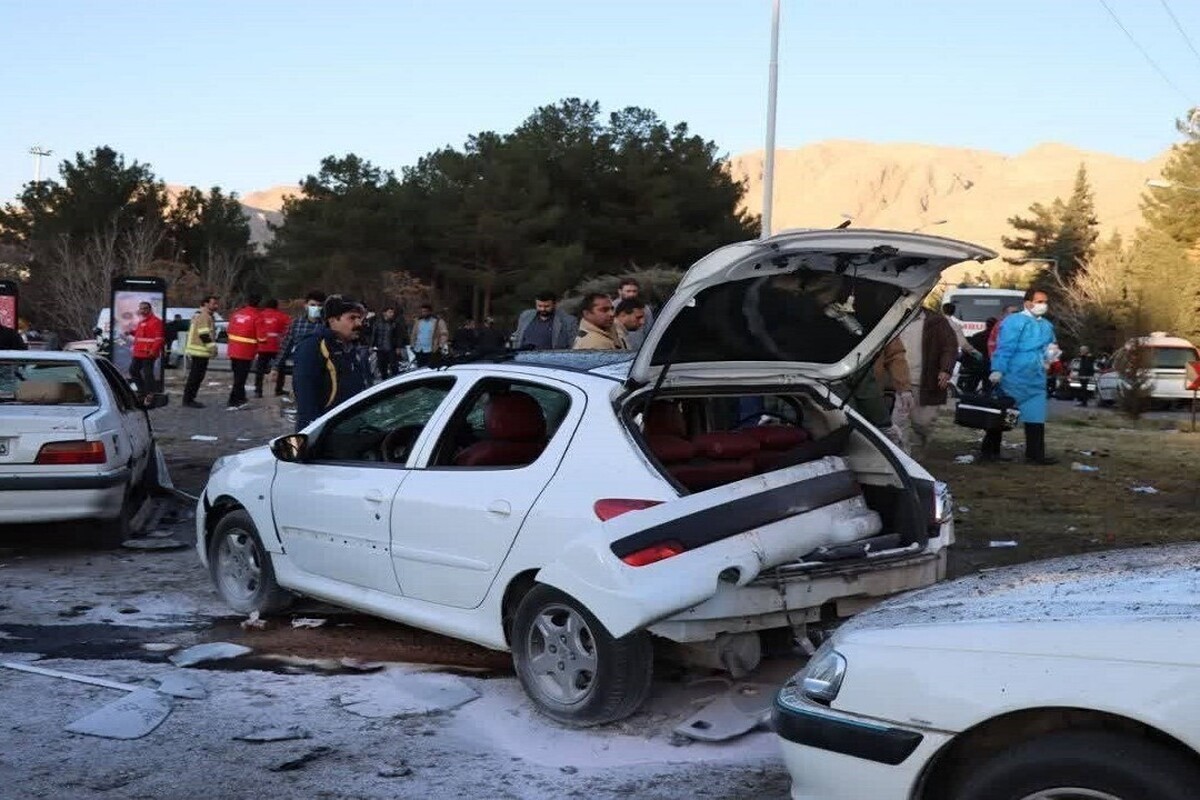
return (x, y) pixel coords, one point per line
(1083, 765)
(571, 667)
(241, 568)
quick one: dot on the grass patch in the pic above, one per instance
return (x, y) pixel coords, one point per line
(1053, 511)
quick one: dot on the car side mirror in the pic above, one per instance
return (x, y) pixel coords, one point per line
(154, 401)
(290, 448)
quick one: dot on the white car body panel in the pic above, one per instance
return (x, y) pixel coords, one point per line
(1164, 384)
(59, 493)
(1117, 633)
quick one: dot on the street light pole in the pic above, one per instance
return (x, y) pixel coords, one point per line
(37, 153)
(769, 155)
(1158, 183)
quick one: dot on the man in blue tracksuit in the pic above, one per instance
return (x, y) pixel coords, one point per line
(1019, 367)
(328, 365)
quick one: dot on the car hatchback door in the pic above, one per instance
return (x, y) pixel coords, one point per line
(455, 520)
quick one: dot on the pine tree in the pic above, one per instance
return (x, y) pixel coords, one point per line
(1174, 209)
(1063, 231)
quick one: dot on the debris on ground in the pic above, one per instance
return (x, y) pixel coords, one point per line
(129, 717)
(964, 509)
(200, 437)
(160, 647)
(70, 676)
(307, 622)
(1078, 467)
(180, 684)
(307, 757)
(253, 621)
(156, 543)
(730, 715)
(1143, 490)
(1002, 543)
(212, 651)
(968, 459)
(359, 665)
(400, 694)
(400, 770)
(274, 733)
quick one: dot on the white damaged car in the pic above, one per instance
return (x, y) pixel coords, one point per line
(574, 508)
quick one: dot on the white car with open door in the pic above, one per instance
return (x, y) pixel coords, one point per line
(576, 507)
(75, 443)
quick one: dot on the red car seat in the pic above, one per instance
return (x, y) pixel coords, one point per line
(516, 429)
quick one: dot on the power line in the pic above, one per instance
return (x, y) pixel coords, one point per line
(1179, 28)
(1144, 53)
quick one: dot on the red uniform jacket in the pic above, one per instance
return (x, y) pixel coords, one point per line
(243, 333)
(148, 338)
(272, 327)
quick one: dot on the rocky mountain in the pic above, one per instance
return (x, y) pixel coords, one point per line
(948, 191)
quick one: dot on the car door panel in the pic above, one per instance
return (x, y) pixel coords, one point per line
(333, 511)
(452, 527)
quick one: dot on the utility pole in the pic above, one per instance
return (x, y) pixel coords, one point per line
(37, 152)
(769, 155)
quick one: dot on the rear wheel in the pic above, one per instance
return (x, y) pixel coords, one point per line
(1083, 765)
(571, 667)
(241, 567)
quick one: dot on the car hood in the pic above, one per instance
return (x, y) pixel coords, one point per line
(1147, 600)
(818, 304)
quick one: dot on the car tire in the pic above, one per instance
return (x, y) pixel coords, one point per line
(1098, 764)
(241, 568)
(587, 677)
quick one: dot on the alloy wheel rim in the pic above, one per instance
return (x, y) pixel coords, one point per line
(1071, 793)
(238, 568)
(561, 655)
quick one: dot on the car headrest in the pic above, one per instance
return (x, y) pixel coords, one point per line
(664, 418)
(515, 417)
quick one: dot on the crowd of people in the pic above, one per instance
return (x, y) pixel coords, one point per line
(335, 348)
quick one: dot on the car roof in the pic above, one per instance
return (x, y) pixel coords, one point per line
(1161, 340)
(603, 364)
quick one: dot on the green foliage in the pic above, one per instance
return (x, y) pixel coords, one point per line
(1133, 367)
(1063, 231)
(566, 196)
(1175, 210)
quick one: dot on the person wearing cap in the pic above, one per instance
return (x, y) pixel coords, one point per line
(329, 367)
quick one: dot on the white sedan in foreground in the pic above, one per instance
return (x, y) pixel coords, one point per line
(575, 507)
(75, 443)
(1070, 679)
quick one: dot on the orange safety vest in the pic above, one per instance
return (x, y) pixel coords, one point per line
(272, 327)
(243, 333)
(148, 338)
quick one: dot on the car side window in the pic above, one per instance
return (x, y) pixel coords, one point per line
(120, 387)
(384, 428)
(501, 423)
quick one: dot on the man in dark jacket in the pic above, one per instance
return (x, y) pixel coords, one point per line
(546, 326)
(308, 323)
(1086, 374)
(329, 367)
(11, 340)
(932, 349)
(387, 340)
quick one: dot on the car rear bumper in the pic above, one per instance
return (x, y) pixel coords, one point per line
(832, 756)
(797, 599)
(58, 498)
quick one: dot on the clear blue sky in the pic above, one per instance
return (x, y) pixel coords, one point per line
(251, 94)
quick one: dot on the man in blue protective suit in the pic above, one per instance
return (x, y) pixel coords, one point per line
(1019, 367)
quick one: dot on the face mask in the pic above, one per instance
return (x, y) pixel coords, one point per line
(1039, 309)
(314, 312)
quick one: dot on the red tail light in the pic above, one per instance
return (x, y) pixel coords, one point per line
(614, 507)
(653, 553)
(78, 452)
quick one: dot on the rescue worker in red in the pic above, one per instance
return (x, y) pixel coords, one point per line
(271, 328)
(148, 338)
(243, 345)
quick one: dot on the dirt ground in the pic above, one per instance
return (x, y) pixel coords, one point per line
(119, 614)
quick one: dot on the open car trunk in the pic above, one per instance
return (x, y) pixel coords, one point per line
(733, 444)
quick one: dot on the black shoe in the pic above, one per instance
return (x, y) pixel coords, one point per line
(994, 457)
(193, 404)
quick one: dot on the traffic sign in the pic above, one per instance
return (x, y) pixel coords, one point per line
(1193, 376)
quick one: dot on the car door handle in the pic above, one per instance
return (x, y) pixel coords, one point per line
(373, 496)
(500, 507)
